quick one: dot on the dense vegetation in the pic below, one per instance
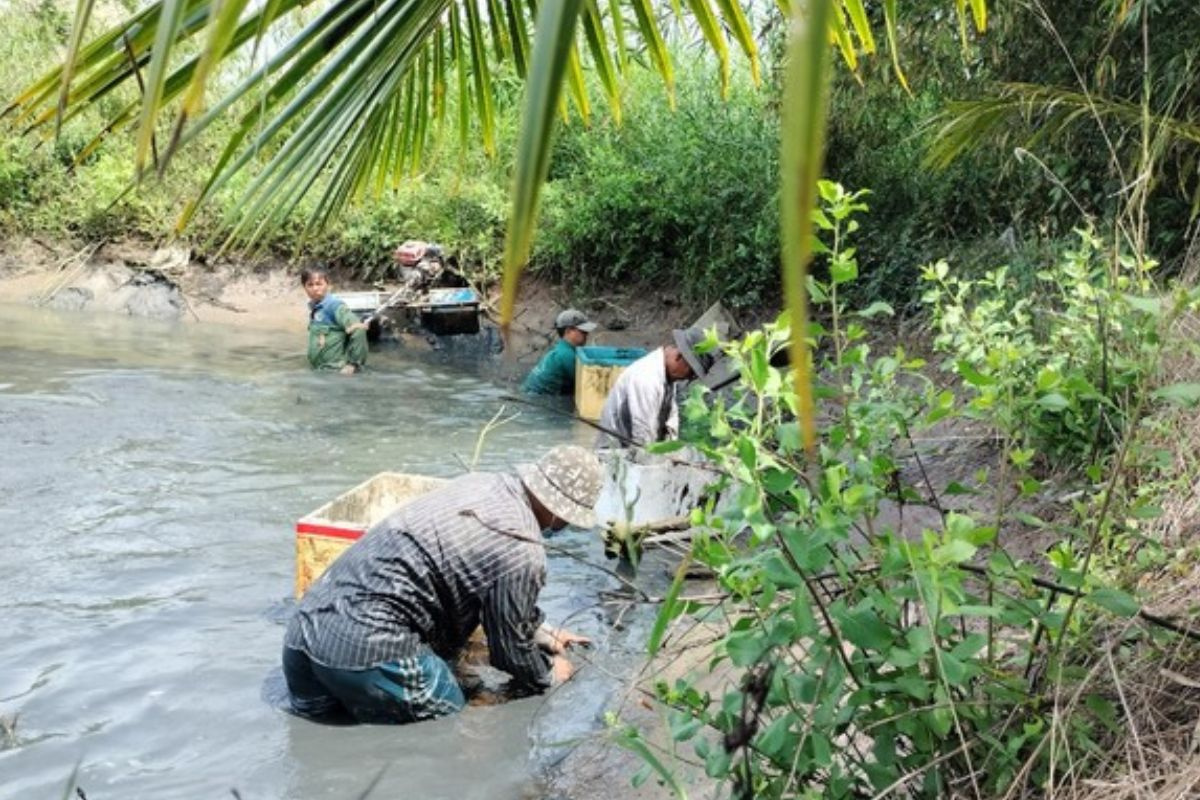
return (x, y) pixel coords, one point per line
(1026, 199)
(860, 655)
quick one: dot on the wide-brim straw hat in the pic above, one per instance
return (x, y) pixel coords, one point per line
(566, 480)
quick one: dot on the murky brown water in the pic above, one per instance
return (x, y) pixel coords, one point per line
(151, 476)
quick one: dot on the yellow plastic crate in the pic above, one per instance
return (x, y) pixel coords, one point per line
(596, 370)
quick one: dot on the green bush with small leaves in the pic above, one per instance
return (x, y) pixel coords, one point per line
(866, 660)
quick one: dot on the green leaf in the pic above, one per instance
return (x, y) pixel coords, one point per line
(83, 13)
(1054, 402)
(671, 608)
(632, 741)
(552, 49)
(601, 58)
(954, 551)
(1146, 511)
(781, 573)
(902, 658)
(775, 740)
(822, 749)
(747, 452)
(1047, 379)
(711, 29)
(953, 670)
(152, 98)
(1148, 305)
(1104, 710)
(875, 309)
(940, 721)
(805, 106)
(889, 22)
(1181, 394)
(1115, 601)
(843, 271)
(973, 376)
(862, 27)
(743, 33)
(758, 369)
(865, 629)
(684, 727)
(657, 48)
(669, 446)
(745, 648)
(716, 764)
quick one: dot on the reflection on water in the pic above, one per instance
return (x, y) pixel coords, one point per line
(153, 472)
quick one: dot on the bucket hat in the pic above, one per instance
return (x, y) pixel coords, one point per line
(686, 341)
(574, 318)
(566, 480)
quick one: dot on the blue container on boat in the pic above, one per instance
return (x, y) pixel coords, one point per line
(450, 311)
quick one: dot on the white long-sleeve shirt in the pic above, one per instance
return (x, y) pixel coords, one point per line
(641, 404)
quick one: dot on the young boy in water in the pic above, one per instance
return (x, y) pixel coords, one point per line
(337, 338)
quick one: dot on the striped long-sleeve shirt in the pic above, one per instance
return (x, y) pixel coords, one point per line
(468, 552)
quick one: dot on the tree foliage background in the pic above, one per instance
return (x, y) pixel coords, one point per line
(683, 193)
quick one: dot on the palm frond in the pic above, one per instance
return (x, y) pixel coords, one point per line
(551, 52)
(1025, 115)
(804, 107)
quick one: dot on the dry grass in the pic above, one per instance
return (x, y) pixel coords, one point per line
(1156, 753)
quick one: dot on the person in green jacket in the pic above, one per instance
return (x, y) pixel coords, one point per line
(337, 338)
(555, 373)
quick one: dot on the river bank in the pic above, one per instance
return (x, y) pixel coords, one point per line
(137, 278)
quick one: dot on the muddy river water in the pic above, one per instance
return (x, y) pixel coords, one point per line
(150, 477)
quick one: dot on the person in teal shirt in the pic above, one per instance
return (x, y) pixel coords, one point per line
(555, 373)
(337, 338)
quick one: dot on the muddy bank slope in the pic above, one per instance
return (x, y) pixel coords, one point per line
(139, 279)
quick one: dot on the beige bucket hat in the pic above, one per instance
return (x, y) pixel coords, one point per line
(567, 481)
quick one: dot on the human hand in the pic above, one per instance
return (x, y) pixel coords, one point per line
(558, 640)
(561, 670)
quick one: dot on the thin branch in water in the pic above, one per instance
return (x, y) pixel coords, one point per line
(492, 424)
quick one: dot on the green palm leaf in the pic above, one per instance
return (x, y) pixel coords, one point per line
(152, 94)
(1023, 114)
(655, 45)
(551, 52)
(735, 18)
(83, 13)
(804, 108)
(711, 29)
(593, 28)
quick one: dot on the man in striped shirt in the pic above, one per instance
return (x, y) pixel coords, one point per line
(373, 638)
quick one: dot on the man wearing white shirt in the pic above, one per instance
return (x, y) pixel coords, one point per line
(640, 407)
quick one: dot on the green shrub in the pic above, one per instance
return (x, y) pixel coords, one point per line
(859, 660)
(685, 199)
(1057, 369)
